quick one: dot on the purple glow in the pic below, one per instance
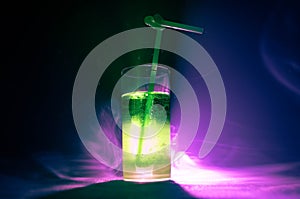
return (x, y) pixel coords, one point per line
(265, 181)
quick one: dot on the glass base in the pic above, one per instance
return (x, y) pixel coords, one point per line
(148, 175)
(147, 179)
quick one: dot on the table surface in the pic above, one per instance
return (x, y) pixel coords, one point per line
(56, 176)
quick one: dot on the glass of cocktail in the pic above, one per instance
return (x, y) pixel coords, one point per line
(146, 123)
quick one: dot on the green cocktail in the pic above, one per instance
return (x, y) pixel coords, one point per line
(146, 138)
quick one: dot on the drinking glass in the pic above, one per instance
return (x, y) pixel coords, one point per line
(146, 123)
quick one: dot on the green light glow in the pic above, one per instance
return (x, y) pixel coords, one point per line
(155, 152)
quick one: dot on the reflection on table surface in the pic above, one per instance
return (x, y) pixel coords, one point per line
(57, 176)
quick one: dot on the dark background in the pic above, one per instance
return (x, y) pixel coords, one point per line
(43, 45)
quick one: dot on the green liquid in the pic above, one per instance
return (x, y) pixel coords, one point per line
(146, 138)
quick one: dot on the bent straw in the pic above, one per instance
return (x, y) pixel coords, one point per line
(149, 101)
(158, 23)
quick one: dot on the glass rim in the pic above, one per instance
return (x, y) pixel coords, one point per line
(159, 66)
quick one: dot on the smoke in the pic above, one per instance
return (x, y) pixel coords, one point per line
(280, 45)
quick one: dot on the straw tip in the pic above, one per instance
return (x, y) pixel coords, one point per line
(150, 21)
